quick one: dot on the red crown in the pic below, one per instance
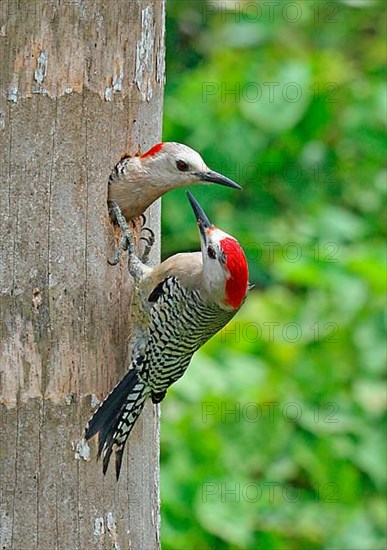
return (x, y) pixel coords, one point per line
(236, 285)
(154, 150)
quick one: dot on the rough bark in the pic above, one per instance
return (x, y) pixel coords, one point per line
(81, 83)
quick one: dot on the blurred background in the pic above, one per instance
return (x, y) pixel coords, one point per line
(275, 437)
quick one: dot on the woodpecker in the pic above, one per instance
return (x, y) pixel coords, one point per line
(179, 305)
(136, 182)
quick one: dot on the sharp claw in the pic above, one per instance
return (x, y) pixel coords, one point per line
(148, 229)
(149, 242)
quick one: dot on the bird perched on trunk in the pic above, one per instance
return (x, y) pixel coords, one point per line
(178, 306)
(136, 182)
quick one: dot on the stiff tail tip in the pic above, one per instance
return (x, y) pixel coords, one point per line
(115, 417)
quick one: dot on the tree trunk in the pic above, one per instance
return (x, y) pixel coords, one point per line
(81, 83)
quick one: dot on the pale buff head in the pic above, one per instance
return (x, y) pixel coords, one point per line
(171, 164)
(136, 182)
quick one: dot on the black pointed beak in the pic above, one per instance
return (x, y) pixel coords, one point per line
(215, 177)
(203, 221)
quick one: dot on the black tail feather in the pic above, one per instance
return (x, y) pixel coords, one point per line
(119, 454)
(111, 406)
(115, 418)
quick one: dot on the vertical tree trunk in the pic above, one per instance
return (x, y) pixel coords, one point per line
(81, 83)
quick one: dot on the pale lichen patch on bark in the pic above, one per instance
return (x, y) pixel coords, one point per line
(108, 95)
(118, 76)
(13, 94)
(116, 80)
(5, 530)
(99, 527)
(160, 58)
(95, 400)
(41, 69)
(144, 55)
(82, 450)
(112, 529)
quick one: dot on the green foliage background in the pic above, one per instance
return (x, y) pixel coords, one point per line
(300, 463)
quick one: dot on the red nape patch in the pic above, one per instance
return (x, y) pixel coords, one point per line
(236, 285)
(155, 149)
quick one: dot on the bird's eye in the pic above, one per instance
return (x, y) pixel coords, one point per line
(211, 253)
(182, 166)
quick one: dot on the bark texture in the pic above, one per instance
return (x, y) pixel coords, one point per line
(81, 83)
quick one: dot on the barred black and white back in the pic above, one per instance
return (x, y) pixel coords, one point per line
(180, 323)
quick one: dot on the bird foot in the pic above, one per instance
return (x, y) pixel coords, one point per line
(149, 240)
(127, 240)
